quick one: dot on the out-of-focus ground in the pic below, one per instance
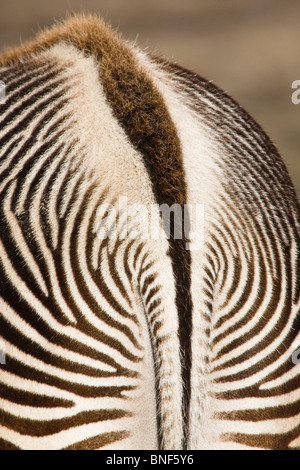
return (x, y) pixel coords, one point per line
(250, 48)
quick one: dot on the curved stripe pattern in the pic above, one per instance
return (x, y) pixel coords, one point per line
(251, 278)
(48, 339)
(120, 342)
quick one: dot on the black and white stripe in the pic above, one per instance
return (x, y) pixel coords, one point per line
(129, 343)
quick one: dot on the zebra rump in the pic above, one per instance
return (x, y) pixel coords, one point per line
(110, 337)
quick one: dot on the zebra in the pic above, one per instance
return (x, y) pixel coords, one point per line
(118, 342)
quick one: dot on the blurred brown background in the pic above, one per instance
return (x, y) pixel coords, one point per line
(250, 48)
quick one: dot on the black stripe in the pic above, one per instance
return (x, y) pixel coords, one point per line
(22, 397)
(41, 428)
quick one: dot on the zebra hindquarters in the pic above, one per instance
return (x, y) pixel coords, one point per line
(88, 322)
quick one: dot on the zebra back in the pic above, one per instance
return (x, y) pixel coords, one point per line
(113, 340)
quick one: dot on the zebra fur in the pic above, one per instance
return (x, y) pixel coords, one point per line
(128, 343)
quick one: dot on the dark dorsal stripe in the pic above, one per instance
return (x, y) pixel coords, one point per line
(142, 113)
